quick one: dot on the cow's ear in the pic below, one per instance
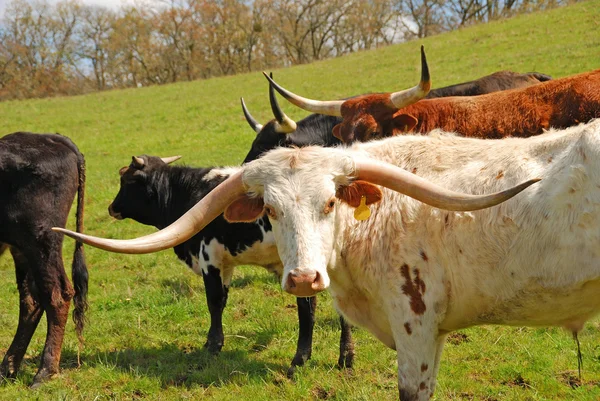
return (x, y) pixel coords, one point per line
(123, 170)
(337, 132)
(244, 210)
(404, 123)
(352, 193)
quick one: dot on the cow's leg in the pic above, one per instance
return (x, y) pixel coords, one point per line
(56, 293)
(306, 322)
(30, 313)
(346, 358)
(216, 296)
(418, 348)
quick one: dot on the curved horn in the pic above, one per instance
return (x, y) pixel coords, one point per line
(412, 95)
(169, 160)
(137, 161)
(251, 121)
(400, 180)
(285, 125)
(329, 107)
(181, 230)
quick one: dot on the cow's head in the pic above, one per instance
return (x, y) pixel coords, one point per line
(302, 191)
(273, 133)
(368, 116)
(137, 198)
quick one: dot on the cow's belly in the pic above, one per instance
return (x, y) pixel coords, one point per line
(568, 307)
(214, 254)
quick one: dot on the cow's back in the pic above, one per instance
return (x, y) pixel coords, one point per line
(38, 180)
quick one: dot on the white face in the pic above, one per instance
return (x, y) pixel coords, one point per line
(301, 204)
(303, 226)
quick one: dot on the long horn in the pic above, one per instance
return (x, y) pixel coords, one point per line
(412, 95)
(251, 121)
(400, 180)
(181, 230)
(329, 107)
(171, 159)
(285, 125)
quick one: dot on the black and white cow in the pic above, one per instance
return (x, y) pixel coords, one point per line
(155, 193)
(39, 177)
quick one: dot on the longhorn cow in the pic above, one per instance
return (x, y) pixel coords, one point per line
(420, 268)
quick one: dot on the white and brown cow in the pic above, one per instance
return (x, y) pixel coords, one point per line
(412, 273)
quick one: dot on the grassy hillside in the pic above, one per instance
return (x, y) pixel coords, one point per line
(148, 315)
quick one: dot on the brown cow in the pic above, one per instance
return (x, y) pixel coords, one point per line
(521, 112)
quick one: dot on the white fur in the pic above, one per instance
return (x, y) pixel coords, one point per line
(533, 260)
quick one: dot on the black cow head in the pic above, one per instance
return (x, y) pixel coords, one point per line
(139, 197)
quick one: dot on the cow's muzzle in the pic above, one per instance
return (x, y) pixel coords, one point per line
(302, 283)
(114, 214)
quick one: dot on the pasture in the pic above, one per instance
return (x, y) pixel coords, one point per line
(148, 317)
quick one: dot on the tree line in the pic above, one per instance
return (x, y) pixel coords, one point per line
(71, 48)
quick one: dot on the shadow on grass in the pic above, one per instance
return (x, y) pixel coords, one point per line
(175, 366)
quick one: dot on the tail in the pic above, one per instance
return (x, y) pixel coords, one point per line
(79, 270)
(540, 77)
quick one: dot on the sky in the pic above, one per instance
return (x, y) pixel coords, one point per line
(108, 3)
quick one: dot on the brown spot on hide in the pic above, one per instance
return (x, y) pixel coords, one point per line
(414, 170)
(500, 174)
(572, 190)
(414, 289)
(424, 367)
(459, 250)
(424, 256)
(294, 160)
(408, 328)
(422, 386)
(244, 209)
(351, 194)
(550, 159)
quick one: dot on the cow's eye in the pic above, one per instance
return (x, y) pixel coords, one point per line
(270, 212)
(329, 206)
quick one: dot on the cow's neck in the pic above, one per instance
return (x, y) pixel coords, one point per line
(178, 189)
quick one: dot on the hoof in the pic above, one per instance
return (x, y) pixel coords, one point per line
(40, 378)
(214, 349)
(291, 372)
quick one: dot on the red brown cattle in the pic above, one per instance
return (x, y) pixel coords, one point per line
(558, 103)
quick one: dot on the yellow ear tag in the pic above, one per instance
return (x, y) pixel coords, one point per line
(362, 212)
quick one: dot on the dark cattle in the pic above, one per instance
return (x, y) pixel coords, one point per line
(282, 131)
(498, 81)
(316, 129)
(156, 194)
(523, 112)
(39, 176)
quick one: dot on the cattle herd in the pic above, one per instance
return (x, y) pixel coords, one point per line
(419, 210)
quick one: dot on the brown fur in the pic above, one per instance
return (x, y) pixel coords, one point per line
(351, 194)
(518, 112)
(414, 290)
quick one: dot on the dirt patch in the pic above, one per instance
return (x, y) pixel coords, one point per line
(518, 381)
(570, 378)
(457, 338)
(320, 393)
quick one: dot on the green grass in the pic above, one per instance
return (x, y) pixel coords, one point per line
(148, 315)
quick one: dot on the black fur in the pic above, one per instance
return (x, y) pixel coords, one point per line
(39, 176)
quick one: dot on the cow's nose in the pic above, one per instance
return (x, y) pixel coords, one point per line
(112, 212)
(302, 283)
